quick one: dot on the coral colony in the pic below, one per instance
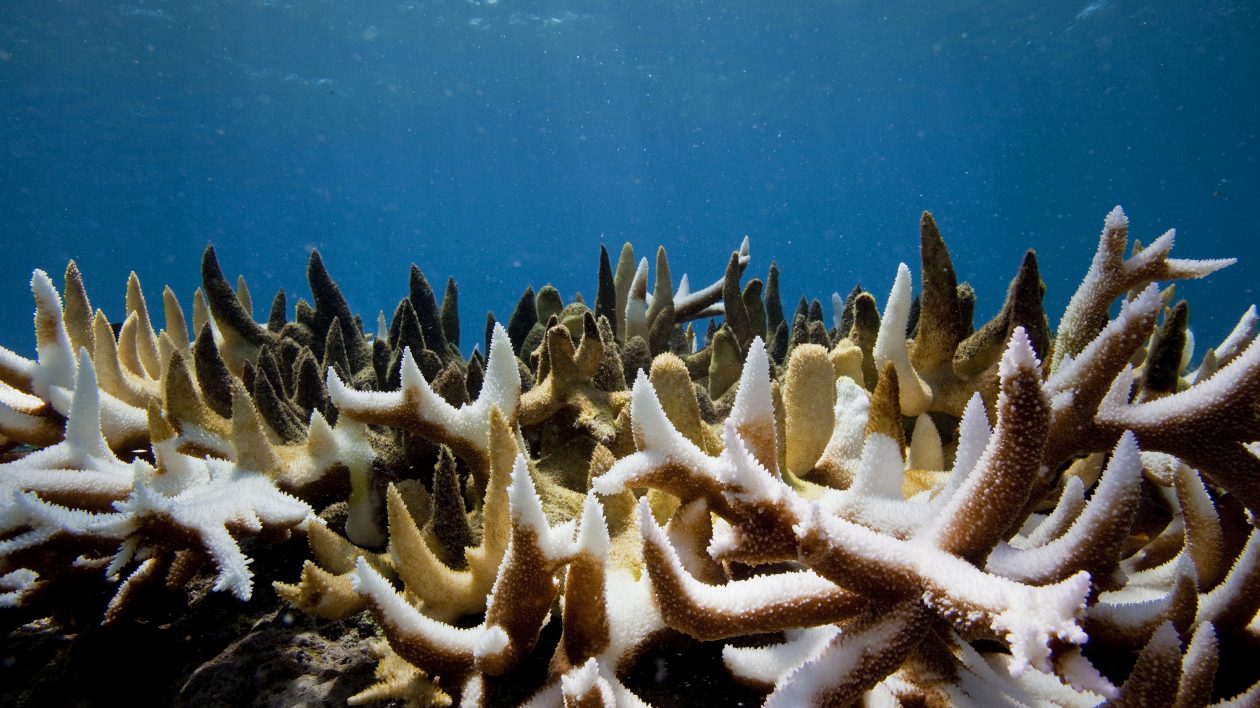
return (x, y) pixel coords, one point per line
(889, 507)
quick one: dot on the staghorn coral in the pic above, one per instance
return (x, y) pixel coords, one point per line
(896, 509)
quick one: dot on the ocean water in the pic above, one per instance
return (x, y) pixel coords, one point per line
(501, 142)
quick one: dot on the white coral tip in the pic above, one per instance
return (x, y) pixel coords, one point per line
(1019, 355)
(409, 374)
(362, 580)
(16, 584)
(648, 528)
(491, 642)
(592, 535)
(520, 485)
(502, 385)
(1116, 219)
(336, 389)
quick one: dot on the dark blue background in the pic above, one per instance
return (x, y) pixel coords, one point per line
(502, 142)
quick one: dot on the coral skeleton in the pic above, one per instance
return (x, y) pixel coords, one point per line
(878, 508)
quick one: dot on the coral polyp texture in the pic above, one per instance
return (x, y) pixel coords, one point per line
(607, 507)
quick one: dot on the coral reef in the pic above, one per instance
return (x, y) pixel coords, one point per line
(892, 507)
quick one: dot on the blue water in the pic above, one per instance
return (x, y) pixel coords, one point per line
(502, 142)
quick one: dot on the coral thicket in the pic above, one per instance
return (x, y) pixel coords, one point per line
(890, 506)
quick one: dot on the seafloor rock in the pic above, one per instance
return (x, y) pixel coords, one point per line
(281, 665)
